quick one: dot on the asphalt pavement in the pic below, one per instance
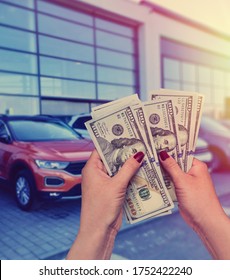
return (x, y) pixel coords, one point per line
(48, 231)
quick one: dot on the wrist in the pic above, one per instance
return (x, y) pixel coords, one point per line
(210, 217)
(95, 244)
(214, 232)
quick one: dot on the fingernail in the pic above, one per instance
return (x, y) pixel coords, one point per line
(139, 156)
(163, 155)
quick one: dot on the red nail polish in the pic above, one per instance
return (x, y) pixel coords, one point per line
(163, 155)
(139, 156)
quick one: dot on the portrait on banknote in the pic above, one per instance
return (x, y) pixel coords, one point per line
(119, 150)
(165, 139)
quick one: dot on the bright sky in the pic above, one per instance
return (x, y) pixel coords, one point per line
(212, 13)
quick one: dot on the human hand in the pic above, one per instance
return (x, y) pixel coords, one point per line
(199, 205)
(196, 195)
(103, 196)
(101, 211)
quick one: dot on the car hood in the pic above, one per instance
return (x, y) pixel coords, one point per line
(60, 150)
(215, 137)
(201, 143)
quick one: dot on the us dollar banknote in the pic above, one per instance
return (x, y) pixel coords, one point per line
(185, 107)
(141, 117)
(199, 110)
(118, 103)
(160, 117)
(117, 136)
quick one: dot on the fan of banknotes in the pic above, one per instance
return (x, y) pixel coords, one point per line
(170, 122)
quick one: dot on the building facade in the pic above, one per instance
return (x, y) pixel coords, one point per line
(65, 56)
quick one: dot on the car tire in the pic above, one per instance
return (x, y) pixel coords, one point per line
(25, 190)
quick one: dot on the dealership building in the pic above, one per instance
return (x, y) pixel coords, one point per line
(66, 56)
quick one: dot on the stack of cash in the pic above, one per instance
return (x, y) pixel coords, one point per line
(170, 122)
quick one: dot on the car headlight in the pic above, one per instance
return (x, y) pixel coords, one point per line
(47, 164)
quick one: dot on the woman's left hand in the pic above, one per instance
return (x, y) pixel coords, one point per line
(103, 196)
(102, 202)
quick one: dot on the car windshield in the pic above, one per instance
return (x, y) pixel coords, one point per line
(39, 130)
(80, 122)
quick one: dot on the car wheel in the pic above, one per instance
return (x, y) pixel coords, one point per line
(219, 161)
(24, 189)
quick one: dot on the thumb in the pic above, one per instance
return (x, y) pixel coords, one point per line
(129, 169)
(171, 166)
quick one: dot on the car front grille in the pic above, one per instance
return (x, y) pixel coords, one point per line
(75, 168)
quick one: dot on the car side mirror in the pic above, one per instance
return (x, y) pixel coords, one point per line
(5, 138)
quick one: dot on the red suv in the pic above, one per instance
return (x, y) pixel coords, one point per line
(41, 157)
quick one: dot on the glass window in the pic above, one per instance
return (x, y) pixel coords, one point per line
(227, 81)
(189, 72)
(172, 85)
(189, 87)
(110, 92)
(64, 44)
(219, 96)
(114, 27)
(65, 13)
(118, 76)
(66, 88)
(218, 76)
(16, 39)
(18, 84)
(64, 29)
(66, 69)
(115, 59)
(116, 42)
(206, 90)
(18, 17)
(67, 107)
(204, 75)
(18, 62)
(19, 105)
(26, 3)
(65, 49)
(171, 69)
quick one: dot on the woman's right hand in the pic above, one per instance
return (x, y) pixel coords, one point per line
(196, 195)
(200, 206)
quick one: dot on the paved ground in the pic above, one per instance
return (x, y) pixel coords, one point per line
(167, 238)
(45, 233)
(48, 232)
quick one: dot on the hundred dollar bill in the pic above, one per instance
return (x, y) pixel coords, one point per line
(198, 115)
(116, 137)
(140, 116)
(199, 110)
(185, 106)
(164, 134)
(118, 103)
(136, 105)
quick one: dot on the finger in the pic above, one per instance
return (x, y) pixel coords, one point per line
(196, 162)
(93, 160)
(170, 165)
(129, 169)
(94, 156)
(197, 167)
